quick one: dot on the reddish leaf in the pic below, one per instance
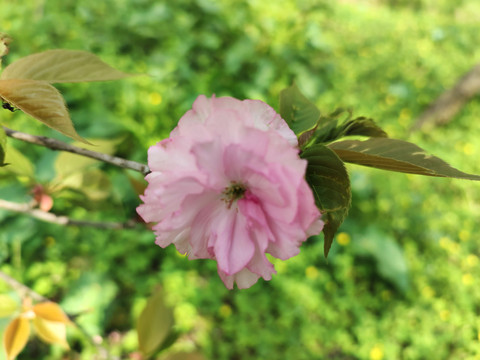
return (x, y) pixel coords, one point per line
(45, 203)
(43, 200)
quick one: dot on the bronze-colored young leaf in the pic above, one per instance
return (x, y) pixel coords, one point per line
(52, 332)
(8, 305)
(41, 101)
(362, 126)
(396, 155)
(154, 324)
(57, 66)
(329, 181)
(50, 311)
(330, 130)
(15, 337)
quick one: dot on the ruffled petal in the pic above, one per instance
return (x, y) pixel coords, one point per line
(244, 279)
(234, 246)
(229, 185)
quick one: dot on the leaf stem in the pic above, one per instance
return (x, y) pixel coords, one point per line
(55, 144)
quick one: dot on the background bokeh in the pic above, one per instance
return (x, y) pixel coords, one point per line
(401, 281)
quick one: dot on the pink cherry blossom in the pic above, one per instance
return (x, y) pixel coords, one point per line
(228, 185)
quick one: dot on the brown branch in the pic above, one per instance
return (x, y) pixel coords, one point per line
(442, 110)
(21, 289)
(60, 219)
(54, 144)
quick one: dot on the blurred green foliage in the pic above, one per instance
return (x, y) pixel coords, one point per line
(401, 281)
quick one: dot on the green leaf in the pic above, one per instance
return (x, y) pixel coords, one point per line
(8, 305)
(41, 101)
(300, 113)
(328, 178)
(388, 255)
(92, 183)
(57, 66)
(90, 297)
(154, 324)
(184, 356)
(329, 130)
(18, 163)
(3, 146)
(396, 155)
(78, 172)
(362, 126)
(68, 163)
(4, 41)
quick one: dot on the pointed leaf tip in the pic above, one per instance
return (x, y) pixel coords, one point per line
(330, 130)
(41, 101)
(15, 337)
(396, 155)
(19, 163)
(364, 127)
(58, 66)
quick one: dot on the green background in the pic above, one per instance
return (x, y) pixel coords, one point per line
(401, 281)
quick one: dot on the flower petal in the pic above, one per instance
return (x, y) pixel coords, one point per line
(229, 185)
(244, 279)
(234, 246)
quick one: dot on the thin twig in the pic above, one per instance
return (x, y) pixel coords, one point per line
(60, 219)
(21, 289)
(55, 144)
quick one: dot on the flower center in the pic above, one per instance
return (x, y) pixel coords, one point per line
(233, 192)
